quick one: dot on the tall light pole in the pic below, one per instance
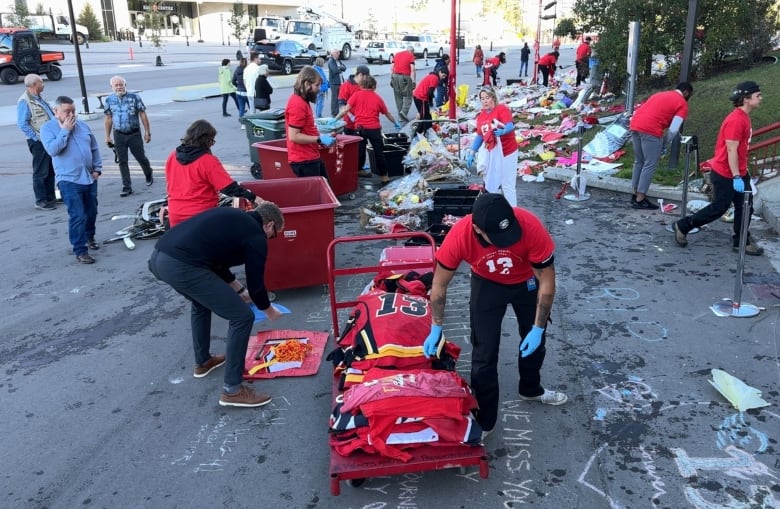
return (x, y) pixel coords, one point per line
(222, 27)
(197, 10)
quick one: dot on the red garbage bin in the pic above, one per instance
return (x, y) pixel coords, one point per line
(297, 257)
(341, 161)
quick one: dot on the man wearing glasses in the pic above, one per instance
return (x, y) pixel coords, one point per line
(195, 177)
(195, 259)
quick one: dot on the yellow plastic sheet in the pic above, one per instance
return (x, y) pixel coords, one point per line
(462, 95)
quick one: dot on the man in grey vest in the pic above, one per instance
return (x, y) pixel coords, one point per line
(31, 113)
(335, 68)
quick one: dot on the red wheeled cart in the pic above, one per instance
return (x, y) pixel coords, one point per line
(360, 465)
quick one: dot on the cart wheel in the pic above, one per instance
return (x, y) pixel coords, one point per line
(356, 483)
(256, 171)
(352, 196)
(272, 296)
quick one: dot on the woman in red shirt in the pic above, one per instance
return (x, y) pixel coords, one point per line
(547, 66)
(478, 59)
(423, 98)
(195, 177)
(366, 105)
(496, 146)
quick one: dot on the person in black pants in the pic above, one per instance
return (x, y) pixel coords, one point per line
(423, 97)
(195, 258)
(511, 256)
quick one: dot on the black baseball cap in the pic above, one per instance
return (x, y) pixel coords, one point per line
(494, 215)
(363, 69)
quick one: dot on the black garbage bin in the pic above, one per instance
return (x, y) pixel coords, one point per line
(396, 148)
(264, 126)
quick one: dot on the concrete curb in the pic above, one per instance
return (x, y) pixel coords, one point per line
(196, 92)
(767, 204)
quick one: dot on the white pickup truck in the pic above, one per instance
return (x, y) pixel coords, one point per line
(426, 45)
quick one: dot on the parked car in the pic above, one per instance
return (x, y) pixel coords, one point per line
(284, 55)
(382, 51)
(426, 45)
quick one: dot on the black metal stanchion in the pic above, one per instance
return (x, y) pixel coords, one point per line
(691, 151)
(735, 307)
(578, 182)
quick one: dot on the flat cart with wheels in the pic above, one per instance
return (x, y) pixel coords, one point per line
(360, 465)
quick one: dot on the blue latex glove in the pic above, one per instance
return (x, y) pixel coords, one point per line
(469, 159)
(397, 126)
(327, 140)
(476, 143)
(499, 132)
(739, 185)
(432, 341)
(531, 342)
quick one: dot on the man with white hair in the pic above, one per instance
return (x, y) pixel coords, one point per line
(402, 80)
(31, 113)
(335, 68)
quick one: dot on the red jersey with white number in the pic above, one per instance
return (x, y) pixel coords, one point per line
(735, 127)
(485, 128)
(423, 89)
(403, 62)
(508, 266)
(298, 114)
(367, 105)
(656, 114)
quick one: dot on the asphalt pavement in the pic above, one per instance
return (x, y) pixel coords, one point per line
(100, 408)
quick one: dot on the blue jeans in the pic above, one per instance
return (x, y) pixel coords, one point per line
(523, 68)
(209, 294)
(479, 69)
(81, 201)
(242, 103)
(319, 104)
(43, 173)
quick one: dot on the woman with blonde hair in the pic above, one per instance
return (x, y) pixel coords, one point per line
(495, 147)
(263, 89)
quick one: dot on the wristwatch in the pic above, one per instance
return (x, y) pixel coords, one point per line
(319, 140)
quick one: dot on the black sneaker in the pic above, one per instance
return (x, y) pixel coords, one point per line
(149, 180)
(85, 258)
(42, 205)
(126, 192)
(633, 199)
(645, 204)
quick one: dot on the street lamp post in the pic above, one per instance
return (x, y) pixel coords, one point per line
(222, 27)
(197, 11)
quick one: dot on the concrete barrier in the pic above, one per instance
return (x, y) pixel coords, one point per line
(196, 92)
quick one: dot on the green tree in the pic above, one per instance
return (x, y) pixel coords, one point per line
(89, 20)
(20, 14)
(734, 29)
(566, 28)
(40, 9)
(237, 22)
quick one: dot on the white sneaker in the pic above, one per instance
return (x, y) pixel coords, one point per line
(547, 398)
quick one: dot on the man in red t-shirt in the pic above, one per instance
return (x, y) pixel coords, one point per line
(423, 97)
(303, 137)
(661, 110)
(402, 81)
(511, 256)
(348, 88)
(582, 60)
(729, 175)
(547, 66)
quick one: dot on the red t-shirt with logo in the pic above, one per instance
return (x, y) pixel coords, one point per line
(194, 187)
(736, 127)
(656, 114)
(403, 62)
(366, 105)
(423, 88)
(299, 114)
(485, 128)
(348, 88)
(548, 60)
(508, 266)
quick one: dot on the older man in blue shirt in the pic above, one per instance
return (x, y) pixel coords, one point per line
(77, 166)
(31, 113)
(125, 112)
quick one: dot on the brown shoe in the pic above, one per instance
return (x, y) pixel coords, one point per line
(210, 365)
(92, 244)
(85, 258)
(365, 174)
(245, 397)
